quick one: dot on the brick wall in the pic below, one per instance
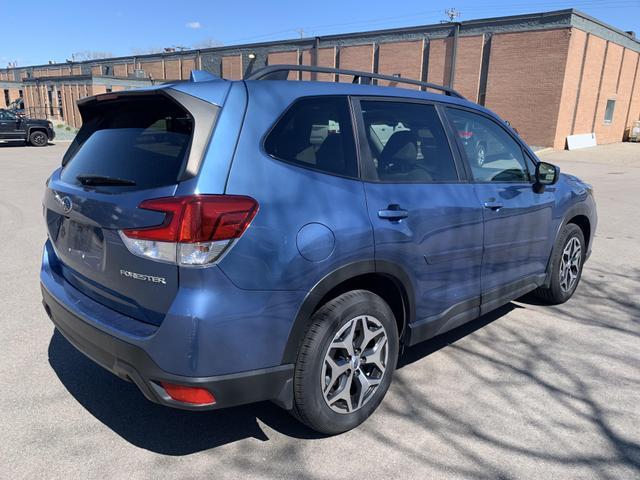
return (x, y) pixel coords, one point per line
(153, 68)
(14, 93)
(359, 57)
(172, 69)
(439, 61)
(625, 84)
(570, 87)
(468, 66)
(609, 80)
(326, 58)
(590, 82)
(633, 113)
(189, 64)
(232, 67)
(526, 74)
(284, 58)
(404, 58)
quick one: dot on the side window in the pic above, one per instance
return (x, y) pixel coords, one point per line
(407, 142)
(317, 133)
(493, 155)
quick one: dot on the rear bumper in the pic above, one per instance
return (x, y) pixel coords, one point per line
(132, 363)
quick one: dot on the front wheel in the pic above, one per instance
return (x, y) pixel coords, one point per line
(345, 362)
(38, 139)
(566, 266)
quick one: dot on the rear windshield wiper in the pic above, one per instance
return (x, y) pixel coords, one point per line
(90, 179)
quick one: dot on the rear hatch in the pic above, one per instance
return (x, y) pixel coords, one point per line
(131, 148)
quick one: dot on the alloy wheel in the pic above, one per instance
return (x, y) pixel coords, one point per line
(570, 264)
(39, 139)
(354, 364)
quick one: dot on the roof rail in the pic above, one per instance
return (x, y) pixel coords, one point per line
(281, 72)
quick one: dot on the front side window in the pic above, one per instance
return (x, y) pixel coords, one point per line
(407, 142)
(316, 133)
(6, 115)
(492, 154)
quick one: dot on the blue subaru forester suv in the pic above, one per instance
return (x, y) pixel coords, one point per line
(225, 242)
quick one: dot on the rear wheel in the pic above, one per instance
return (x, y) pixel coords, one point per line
(345, 362)
(38, 139)
(566, 266)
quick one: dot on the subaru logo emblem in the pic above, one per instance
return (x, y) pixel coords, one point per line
(65, 203)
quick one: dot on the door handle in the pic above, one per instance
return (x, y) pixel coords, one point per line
(493, 205)
(393, 212)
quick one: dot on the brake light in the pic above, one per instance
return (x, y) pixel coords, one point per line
(196, 229)
(466, 134)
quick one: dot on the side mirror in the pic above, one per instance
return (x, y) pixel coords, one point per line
(546, 174)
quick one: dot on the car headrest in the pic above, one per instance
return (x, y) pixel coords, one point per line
(401, 150)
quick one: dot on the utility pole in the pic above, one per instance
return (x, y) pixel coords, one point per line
(300, 31)
(453, 15)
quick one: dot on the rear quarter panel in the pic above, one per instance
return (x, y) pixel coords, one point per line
(267, 257)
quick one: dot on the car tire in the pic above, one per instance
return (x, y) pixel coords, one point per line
(565, 266)
(337, 337)
(38, 139)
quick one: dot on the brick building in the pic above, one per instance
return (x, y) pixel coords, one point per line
(550, 74)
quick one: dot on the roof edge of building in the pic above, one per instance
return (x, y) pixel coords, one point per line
(572, 18)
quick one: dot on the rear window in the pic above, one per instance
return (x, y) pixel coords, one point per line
(144, 140)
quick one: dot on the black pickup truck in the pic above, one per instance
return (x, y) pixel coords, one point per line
(14, 127)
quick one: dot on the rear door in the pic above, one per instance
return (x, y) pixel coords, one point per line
(426, 217)
(517, 219)
(130, 149)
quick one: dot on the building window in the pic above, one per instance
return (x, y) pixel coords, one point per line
(608, 112)
(60, 109)
(20, 93)
(7, 101)
(109, 89)
(50, 98)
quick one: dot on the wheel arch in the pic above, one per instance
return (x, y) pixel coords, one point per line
(579, 215)
(385, 279)
(584, 223)
(37, 128)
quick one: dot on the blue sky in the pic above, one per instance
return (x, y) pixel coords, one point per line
(54, 30)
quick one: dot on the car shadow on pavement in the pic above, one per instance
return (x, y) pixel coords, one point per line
(122, 407)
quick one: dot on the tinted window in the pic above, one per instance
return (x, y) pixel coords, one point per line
(5, 115)
(492, 154)
(316, 133)
(144, 140)
(407, 142)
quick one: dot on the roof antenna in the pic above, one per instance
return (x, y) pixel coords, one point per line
(452, 13)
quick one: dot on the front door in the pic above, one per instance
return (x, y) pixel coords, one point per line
(516, 218)
(10, 126)
(426, 220)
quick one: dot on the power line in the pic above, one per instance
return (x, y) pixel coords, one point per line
(485, 9)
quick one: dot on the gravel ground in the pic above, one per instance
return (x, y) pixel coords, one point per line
(528, 391)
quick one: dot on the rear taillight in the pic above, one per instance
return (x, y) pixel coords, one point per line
(196, 229)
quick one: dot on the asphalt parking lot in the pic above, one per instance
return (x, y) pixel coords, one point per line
(528, 391)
